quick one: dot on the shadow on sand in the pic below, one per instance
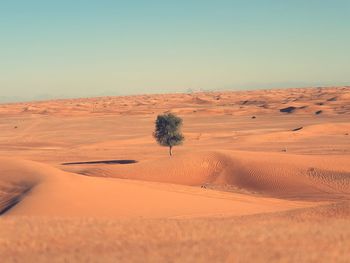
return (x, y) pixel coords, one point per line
(103, 162)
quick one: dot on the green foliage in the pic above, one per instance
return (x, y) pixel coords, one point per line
(167, 130)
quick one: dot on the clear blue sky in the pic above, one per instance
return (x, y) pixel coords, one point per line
(84, 48)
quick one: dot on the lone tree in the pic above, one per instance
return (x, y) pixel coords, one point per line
(167, 131)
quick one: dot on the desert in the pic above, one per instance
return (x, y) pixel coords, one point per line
(262, 176)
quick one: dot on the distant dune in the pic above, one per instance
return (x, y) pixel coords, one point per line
(301, 101)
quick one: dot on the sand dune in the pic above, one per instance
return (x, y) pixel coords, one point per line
(303, 100)
(272, 174)
(323, 130)
(83, 179)
(41, 190)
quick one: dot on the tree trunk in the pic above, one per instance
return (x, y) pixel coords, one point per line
(170, 150)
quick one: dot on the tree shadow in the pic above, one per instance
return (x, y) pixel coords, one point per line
(103, 162)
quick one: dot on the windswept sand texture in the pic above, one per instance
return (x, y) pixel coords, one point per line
(263, 176)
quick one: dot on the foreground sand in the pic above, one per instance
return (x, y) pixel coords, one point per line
(308, 235)
(263, 176)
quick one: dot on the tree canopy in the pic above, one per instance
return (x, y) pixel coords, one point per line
(168, 130)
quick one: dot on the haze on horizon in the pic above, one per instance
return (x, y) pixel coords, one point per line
(89, 48)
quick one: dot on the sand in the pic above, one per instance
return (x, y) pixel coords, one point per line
(263, 176)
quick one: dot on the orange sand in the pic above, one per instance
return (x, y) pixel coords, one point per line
(78, 175)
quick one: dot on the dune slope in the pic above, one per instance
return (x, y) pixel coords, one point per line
(279, 175)
(57, 193)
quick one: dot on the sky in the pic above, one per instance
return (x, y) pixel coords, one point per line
(81, 48)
